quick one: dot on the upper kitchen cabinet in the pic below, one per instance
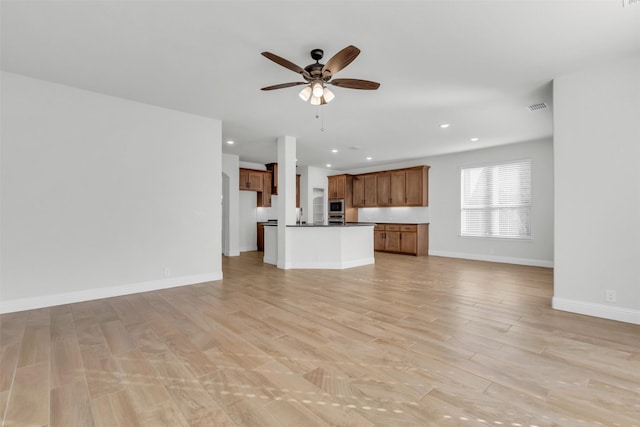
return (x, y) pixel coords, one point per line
(273, 168)
(391, 188)
(264, 197)
(403, 187)
(337, 187)
(365, 191)
(417, 186)
(251, 180)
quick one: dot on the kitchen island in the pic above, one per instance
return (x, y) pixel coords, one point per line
(322, 246)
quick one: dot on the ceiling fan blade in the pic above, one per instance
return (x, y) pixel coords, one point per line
(340, 60)
(287, 64)
(283, 85)
(355, 84)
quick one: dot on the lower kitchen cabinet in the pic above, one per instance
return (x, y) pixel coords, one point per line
(260, 237)
(411, 239)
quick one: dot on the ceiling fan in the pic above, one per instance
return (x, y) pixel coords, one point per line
(317, 76)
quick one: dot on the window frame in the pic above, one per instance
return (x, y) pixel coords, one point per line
(530, 206)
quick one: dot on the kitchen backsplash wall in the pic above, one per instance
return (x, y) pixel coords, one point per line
(411, 215)
(266, 214)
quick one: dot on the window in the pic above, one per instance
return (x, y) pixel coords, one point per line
(496, 200)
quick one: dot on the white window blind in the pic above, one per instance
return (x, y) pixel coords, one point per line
(496, 200)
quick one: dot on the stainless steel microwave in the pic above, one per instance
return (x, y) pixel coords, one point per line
(336, 206)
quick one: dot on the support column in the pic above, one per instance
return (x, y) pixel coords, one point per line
(286, 196)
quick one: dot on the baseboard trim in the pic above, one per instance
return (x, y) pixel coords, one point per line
(268, 260)
(338, 265)
(22, 304)
(493, 258)
(620, 314)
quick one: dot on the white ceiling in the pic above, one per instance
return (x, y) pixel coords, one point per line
(474, 64)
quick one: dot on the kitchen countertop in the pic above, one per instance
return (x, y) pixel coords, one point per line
(348, 224)
(401, 222)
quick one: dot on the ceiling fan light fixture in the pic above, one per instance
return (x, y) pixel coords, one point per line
(318, 75)
(317, 89)
(328, 95)
(305, 93)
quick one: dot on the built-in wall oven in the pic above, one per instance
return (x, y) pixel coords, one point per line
(336, 211)
(336, 207)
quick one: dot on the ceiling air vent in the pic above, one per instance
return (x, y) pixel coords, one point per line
(536, 107)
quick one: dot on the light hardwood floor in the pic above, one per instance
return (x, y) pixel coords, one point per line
(405, 342)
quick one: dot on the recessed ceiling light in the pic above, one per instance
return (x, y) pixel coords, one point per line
(230, 142)
(328, 165)
(335, 150)
(474, 139)
(445, 125)
(369, 157)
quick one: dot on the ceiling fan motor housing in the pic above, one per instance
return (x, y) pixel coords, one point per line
(317, 54)
(315, 70)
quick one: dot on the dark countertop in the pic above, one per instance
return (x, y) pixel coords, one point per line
(401, 222)
(348, 224)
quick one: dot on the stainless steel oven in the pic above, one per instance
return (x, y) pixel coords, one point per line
(336, 219)
(336, 207)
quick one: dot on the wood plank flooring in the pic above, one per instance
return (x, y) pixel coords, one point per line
(425, 341)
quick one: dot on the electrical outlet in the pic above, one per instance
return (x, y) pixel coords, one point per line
(167, 272)
(611, 295)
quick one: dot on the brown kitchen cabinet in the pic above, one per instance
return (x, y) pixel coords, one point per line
(297, 191)
(337, 187)
(365, 190)
(378, 237)
(417, 186)
(251, 180)
(392, 238)
(410, 239)
(264, 197)
(273, 168)
(260, 237)
(403, 187)
(391, 188)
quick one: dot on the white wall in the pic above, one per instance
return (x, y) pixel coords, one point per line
(444, 205)
(597, 181)
(313, 177)
(247, 219)
(231, 223)
(102, 196)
